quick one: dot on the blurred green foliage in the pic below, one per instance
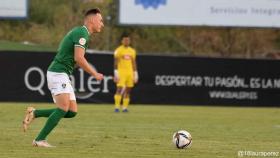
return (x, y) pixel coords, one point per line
(50, 20)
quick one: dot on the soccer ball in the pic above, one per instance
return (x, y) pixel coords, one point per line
(182, 139)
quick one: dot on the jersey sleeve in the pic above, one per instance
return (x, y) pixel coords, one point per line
(117, 53)
(80, 39)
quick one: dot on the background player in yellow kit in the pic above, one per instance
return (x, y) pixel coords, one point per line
(125, 73)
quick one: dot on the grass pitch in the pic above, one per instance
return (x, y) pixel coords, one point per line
(145, 131)
(17, 46)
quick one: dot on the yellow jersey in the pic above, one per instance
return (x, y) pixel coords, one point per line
(125, 55)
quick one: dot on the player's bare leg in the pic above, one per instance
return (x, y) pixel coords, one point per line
(63, 101)
(73, 109)
(73, 106)
(28, 118)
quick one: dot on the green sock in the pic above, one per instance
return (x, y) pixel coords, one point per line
(43, 112)
(48, 112)
(70, 114)
(51, 123)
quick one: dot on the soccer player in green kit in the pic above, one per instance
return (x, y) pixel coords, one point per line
(71, 51)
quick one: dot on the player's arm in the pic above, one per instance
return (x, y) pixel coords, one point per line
(116, 73)
(134, 66)
(79, 57)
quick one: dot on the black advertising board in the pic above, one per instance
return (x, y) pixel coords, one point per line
(163, 80)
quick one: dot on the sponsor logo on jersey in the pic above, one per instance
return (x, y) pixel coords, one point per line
(127, 57)
(82, 41)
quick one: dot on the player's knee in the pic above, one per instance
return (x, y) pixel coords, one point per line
(70, 114)
(119, 91)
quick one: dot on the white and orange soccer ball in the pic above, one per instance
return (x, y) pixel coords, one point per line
(182, 139)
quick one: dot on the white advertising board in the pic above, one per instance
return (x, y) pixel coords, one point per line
(241, 13)
(13, 8)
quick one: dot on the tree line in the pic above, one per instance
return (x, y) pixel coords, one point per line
(49, 20)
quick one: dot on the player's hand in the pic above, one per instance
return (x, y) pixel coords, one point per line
(99, 76)
(116, 76)
(135, 80)
(135, 76)
(116, 79)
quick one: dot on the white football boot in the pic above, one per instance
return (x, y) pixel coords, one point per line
(42, 143)
(29, 117)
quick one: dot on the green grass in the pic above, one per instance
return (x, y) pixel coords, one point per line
(145, 131)
(14, 46)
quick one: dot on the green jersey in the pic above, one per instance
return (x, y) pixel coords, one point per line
(64, 59)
